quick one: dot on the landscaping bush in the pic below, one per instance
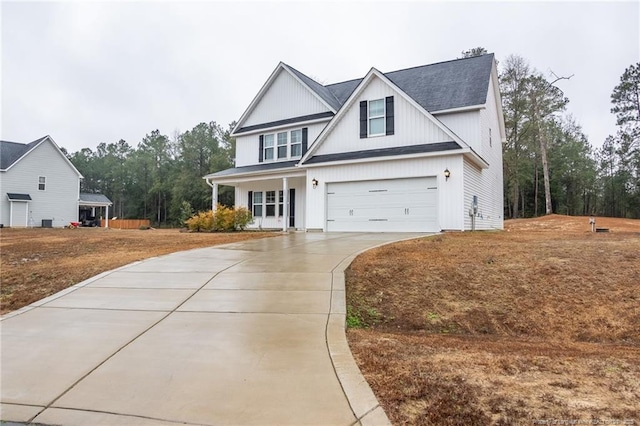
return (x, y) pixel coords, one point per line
(224, 219)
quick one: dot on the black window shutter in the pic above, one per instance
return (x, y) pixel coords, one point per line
(363, 119)
(261, 152)
(250, 203)
(305, 140)
(389, 117)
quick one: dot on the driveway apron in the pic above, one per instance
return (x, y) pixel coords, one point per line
(248, 333)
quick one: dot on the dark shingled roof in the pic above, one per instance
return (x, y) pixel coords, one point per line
(384, 152)
(322, 91)
(293, 120)
(436, 87)
(255, 168)
(10, 152)
(18, 197)
(94, 198)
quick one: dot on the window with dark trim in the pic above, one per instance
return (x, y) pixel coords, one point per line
(280, 203)
(42, 183)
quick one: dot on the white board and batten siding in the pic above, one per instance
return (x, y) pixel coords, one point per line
(58, 202)
(286, 98)
(429, 172)
(247, 147)
(242, 200)
(466, 125)
(412, 127)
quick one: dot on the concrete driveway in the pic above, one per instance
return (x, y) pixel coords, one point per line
(249, 333)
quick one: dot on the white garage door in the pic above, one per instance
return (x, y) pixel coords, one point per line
(395, 205)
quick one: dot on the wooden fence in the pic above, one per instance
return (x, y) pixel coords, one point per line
(126, 223)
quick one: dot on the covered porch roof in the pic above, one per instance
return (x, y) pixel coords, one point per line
(262, 171)
(94, 200)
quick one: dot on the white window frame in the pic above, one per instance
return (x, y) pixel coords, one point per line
(271, 147)
(285, 145)
(292, 144)
(268, 203)
(256, 204)
(42, 180)
(376, 117)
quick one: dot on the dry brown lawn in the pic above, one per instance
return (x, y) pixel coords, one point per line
(36, 263)
(539, 323)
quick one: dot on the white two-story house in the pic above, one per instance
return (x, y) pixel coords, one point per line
(415, 150)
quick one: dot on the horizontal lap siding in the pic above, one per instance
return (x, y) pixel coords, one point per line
(491, 179)
(59, 201)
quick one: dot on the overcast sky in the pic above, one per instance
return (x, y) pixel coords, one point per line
(87, 73)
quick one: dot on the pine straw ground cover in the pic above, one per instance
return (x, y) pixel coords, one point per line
(36, 263)
(539, 324)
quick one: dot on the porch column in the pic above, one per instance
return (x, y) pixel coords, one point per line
(285, 204)
(106, 217)
(214, 196)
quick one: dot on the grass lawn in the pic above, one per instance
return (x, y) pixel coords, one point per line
(536, 324)
(36, 263)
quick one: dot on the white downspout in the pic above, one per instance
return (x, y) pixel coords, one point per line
(106, 221)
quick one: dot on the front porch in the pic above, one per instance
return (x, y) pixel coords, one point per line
(276, 198)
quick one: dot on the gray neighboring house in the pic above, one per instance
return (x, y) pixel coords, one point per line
(38, 185)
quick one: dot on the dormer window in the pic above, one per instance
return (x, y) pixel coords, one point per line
(377, 117)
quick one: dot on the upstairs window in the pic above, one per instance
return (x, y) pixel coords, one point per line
(376, 117)
(268, 147)
(296, 143)
(282, 145)
(42, 183)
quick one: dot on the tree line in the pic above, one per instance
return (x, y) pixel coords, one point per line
(161, 178)
(549, 164)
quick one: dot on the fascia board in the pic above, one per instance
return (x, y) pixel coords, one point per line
(282, 127)
(498, 98)
(336, 118)
(460, 109)
(349, 104)
(309, 88)
(288, 172)
(55, 145)
(259, 96)
(386, 158)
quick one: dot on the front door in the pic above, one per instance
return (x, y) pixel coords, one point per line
(292, 207)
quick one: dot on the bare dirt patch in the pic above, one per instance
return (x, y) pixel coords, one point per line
(36, 263)
(538, 323)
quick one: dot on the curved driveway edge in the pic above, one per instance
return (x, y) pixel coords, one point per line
(248, 333)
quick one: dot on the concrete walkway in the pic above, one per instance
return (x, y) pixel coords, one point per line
(249, 333)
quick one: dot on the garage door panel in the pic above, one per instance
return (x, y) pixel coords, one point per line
(385, 206)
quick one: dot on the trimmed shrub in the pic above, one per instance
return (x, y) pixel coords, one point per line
(223, 219)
